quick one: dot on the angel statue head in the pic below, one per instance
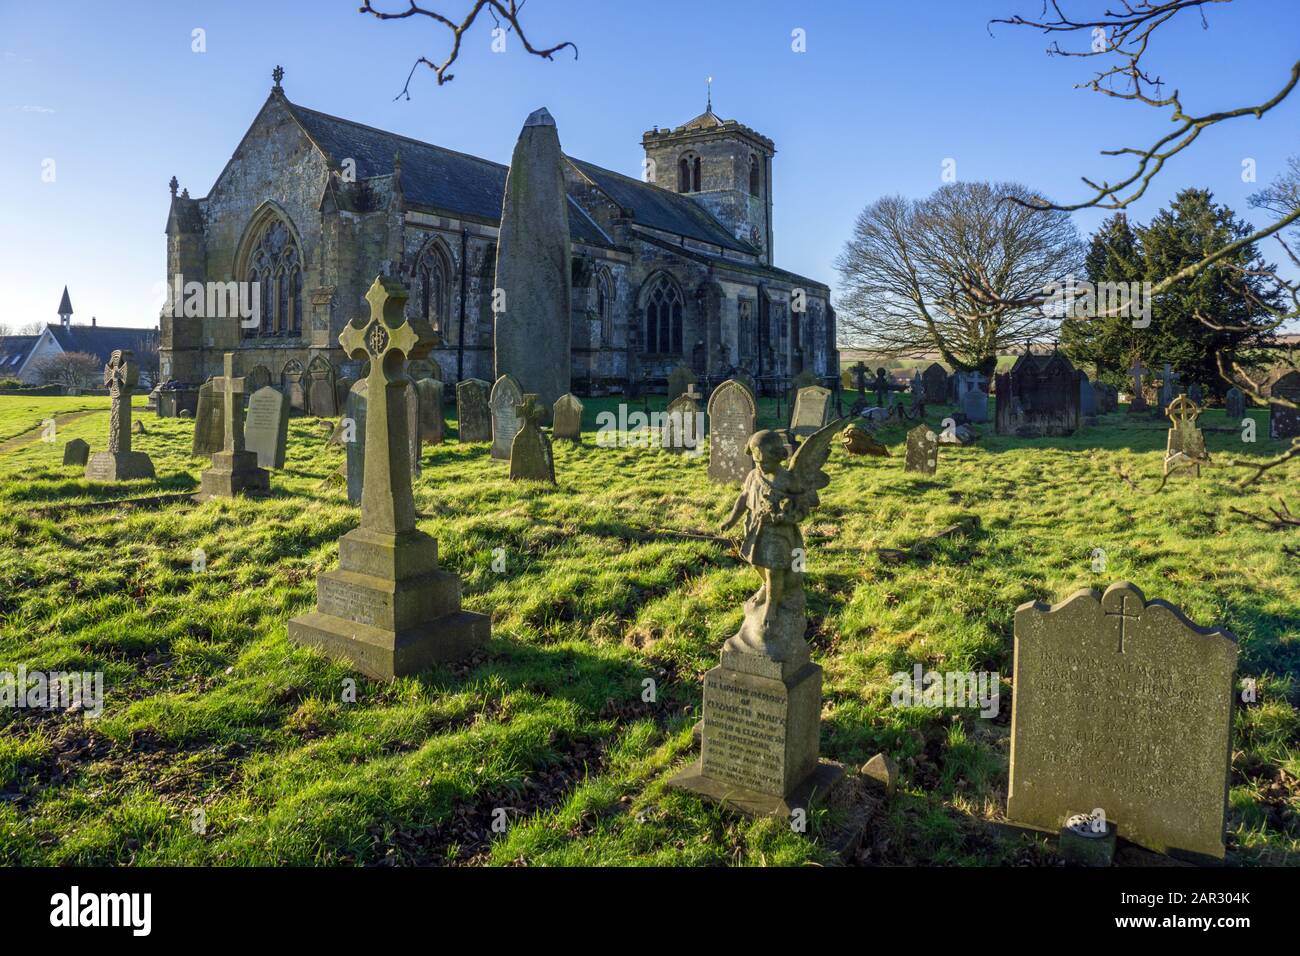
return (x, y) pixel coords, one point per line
(768, 450)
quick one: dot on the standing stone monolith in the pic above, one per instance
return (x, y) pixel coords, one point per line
(388, 608)
(120, 463)
(731, 421)
(266, 432)
(566, 418)
(922, 454)
(506, 396)
(473, 416)
(532, 327)
(1122, 706)
(234, 470)
(530, 450)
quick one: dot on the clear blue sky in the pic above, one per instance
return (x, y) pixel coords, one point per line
(885, 92)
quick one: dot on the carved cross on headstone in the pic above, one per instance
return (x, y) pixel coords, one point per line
(231, 390)
(530, 412)
(1124, 616)
(1182, 411)
(388, 341)
(693, 393)
(1138, 372)
(120, 376)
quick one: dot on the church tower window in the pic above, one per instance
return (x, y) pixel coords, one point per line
(688, 174)
(663, 317)
(275, 264)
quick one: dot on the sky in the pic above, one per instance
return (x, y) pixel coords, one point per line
(102, 103)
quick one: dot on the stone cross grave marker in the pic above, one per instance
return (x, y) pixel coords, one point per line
(355, 411)
(530, 450)
(1185, 445)
(732, 413)
(234, 470)
(388, 608)
(1124, 706)
(504, 402)
(120, 463)
(1138, 373)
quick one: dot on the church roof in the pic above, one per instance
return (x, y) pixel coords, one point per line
(65, 304)
(469, 186)
(14, 350)
(100, 341)
(706, 120)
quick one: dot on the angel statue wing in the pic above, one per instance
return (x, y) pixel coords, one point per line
(806, 466)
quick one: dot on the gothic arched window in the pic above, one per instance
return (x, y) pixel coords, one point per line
(432, 274)
(275, 264)
(755, 177)
(695, 175)
(683, 175)
(663, 317)
(604, 295)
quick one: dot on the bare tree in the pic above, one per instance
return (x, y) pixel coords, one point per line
(31, 328)
(5, 330)
(959, 273)
(506, 11)
(69, 368)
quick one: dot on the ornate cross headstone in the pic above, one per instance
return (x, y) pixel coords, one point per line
(388, 608)
(1185, 446)
(120, 463)
(1138, 372)
(234, 469)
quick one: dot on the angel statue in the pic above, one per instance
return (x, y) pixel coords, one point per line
(774, 500)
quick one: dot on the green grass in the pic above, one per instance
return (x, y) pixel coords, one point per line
(210, 708)
(19, 414)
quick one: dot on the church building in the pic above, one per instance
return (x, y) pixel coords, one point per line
(673, 269)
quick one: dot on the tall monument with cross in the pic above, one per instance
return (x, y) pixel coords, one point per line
(388, 609)
(1138, 372)
(120, 463)
(234, 469)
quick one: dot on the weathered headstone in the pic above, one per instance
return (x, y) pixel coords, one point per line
(256, 378)
(1194, 392)
(388, 608)
(209, 423)
(934, 382)
(1038, 397)
(322, 399)
(234, 469)
(1185, 444)
(76, 452)
(732, 413)
(682, 430)
(1138, 372)
(1107, 397)
(504, 402)
(429, 391)
(175, 400)
(975, 405)
(811, 406)
(291, 384)
(119, 462)
(679, 379)
(1282, 384)
(1123, 706)
(1234, 404)
(566, 418)
(473, 416)
(266, 431)
(530, 450)
(922, 454)
(532, 331)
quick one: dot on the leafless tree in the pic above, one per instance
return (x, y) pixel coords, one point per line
(500, 11)
(31, 328)
(959, 273)
(69, 368)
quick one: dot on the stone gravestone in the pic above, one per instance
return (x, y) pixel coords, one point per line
(1283, 421)
(234, 470)
(1234, 404)
(566, 418)
(1138, 373)
(530, 451)
(1125, 706)
(732, 413)
(355, 410)
(1107, 397)
(120, 463)
(679, 379)
(811, 405)
(1087, 400)
(934, 383)
(473, 417)
(975, 405)
(922, 450)
(1194, 392)
(76, 452)
(1185, 445)
(256, 378)
(532, 331)
(429, 392)
(388, 608)
(322, 399)
(504, 402)
(1038, 397)
(209, 423)
(682, 431)
(267, 430)
(881, 387)
(291, 383)
(1168, 387)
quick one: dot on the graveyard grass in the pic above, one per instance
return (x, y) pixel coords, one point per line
(210, 708)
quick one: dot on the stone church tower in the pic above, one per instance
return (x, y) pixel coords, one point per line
(724, 166)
